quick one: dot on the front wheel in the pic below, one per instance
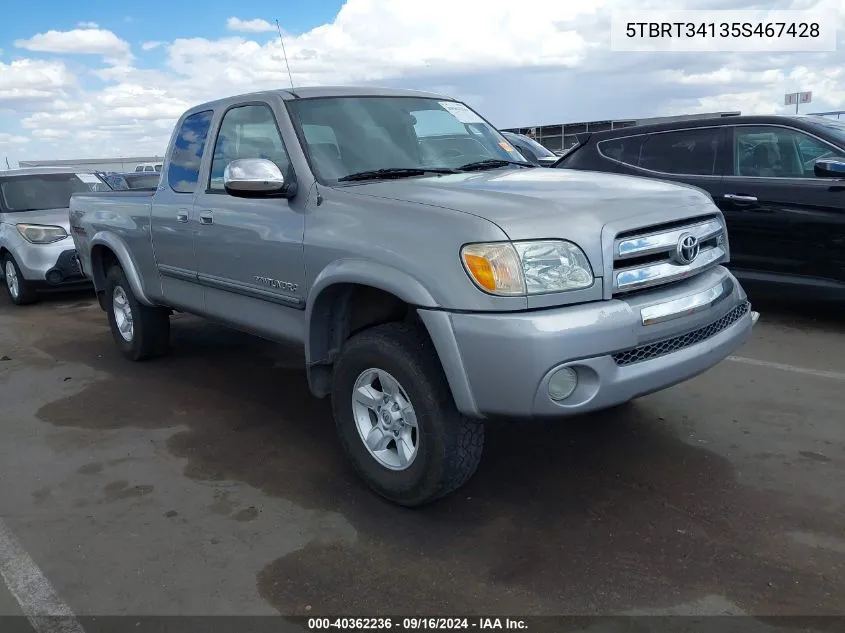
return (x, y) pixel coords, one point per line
(140, 331)
(396, 418)
(20, 290)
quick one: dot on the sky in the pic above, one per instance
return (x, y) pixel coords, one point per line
(107, 79)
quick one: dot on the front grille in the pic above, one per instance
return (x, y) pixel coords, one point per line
(652, 256)
(675, 343)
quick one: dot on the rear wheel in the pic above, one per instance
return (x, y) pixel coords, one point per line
(21, 291)
(140, 331)
(396, 418)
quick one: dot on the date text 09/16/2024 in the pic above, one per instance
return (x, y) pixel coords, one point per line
(416, 624)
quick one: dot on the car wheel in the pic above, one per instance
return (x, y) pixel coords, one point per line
(140, 331)
(21, 291)
(396, 417)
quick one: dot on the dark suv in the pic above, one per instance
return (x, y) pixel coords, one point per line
(779, 180)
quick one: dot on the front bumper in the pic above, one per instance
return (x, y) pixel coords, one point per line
(49, 265)
(501, 364)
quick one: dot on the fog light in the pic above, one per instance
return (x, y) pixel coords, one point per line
(54, 277)
(562, 383)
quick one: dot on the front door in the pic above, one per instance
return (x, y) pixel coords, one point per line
(785, 224)
(250, 250)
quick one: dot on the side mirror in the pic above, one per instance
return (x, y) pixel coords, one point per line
(253, 177)
(829, 168)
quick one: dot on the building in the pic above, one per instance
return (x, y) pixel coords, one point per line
(95, 164)
(562, 135)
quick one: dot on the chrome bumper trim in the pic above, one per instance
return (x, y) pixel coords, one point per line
(685, 306)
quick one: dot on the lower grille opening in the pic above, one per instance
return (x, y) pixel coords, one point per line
(675, 343)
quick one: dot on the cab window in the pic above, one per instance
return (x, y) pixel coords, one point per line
(184, 167)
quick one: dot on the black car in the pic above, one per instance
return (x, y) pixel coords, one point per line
(779, 181)
(531, 149)
(145, 181)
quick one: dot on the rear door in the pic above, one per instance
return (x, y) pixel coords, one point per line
(785, 224)
(173, 222)
(692, 156)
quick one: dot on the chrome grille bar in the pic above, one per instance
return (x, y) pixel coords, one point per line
(664, 241)
(665, 272)
(652, 256)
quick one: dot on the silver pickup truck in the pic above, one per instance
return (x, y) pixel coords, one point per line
(433, 277)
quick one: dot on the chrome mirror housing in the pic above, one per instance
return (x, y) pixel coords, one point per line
(253, 176)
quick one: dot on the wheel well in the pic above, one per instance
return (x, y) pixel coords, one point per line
(102, 258)
(339, 312)
(3, 252)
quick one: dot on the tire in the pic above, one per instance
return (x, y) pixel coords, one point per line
(21, 291)
(149, 334)
(448, 444)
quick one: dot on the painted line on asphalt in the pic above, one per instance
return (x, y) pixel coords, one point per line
(38, 600)
(818, 373)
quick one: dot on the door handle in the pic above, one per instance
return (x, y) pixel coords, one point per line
(182, 216)
(206, 217)
(740, 198)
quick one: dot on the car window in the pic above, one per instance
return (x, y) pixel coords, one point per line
(625, 150)
(541, 151)
(247, 132)
(142, 181)
(184, 168)
(690, 152)
(139, 168)
(777, 152)
(39, 192)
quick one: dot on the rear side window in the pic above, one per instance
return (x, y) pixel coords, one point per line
(625, 150)
(183, 171)
(691, 152)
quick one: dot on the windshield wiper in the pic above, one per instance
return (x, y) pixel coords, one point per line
(395, 172)
(491, 163)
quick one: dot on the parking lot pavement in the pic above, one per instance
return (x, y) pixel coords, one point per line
(210, 482)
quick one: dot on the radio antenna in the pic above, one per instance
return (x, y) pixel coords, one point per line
(284, 52)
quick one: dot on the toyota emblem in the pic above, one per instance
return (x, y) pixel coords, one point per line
(687, 249)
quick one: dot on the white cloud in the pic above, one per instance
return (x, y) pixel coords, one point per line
(528, 63)
(12, 139)
(28, 81)
(88, 25)
(92, 41)
(249, 26)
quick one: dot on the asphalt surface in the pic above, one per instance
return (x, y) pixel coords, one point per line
(211, 482)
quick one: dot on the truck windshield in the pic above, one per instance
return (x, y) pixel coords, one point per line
(39, 192)
(355, 135)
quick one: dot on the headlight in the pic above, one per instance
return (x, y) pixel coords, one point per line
(41, 234)
(527, 268)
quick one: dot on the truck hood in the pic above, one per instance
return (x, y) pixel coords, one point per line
(580, 206)
(51, 217)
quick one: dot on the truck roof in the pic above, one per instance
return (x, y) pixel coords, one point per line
(311, 92)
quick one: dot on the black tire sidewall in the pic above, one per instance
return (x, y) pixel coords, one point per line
(114, 278)
(422, 478)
